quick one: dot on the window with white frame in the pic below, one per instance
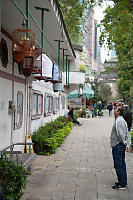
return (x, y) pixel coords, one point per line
(37, 100)
(49, 104)
(63, 102)
(56, 105)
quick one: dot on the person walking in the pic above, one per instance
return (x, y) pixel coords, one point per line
(110, 108)
(71, 115)
(119, 145)
(100, 109)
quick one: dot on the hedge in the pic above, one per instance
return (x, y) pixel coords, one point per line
(48, 138)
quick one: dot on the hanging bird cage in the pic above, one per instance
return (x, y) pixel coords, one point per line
(55, 73)
(23, 45)
(60, 77)
(37, 67)
(46, 65)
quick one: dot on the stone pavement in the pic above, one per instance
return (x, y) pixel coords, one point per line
(81, 169)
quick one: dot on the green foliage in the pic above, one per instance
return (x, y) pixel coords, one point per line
(105, 93)
(131, 139)
(13, 178)
(76, 114)
(73, 13)
(49, 137)
(116, 30)
(82, 67)
(83, 110)
(77, 108)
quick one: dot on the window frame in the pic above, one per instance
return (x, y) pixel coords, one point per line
(37, 115)
(56, 99)
(50, 112)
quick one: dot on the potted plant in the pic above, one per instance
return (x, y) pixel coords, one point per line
(83, 114)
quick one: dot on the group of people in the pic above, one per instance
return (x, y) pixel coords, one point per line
(120, 140)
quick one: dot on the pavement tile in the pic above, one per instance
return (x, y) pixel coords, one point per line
(81, 169)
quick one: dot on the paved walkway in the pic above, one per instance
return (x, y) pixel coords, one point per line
(81, 169)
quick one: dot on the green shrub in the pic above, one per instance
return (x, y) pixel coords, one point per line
(13, 178)
(131, 139)
(76, 114)
(83, 110)
(47, 139)
(77, 108)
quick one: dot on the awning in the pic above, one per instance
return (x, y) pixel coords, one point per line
(88, 92)
(74, 94)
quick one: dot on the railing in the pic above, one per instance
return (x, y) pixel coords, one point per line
(26, 158)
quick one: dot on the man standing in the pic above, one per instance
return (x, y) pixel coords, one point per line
(119, 145)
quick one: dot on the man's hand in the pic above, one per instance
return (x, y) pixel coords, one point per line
(127, 149)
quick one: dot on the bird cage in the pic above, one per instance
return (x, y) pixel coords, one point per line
(59, 86)
(37, 67)
(46, 65)
(23, 45)
(55, 73)
(60, 77)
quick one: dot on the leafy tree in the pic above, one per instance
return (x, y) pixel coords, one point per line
(74, 16)
(102, 91)
(116, 30)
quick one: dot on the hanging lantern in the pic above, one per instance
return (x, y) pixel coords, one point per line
(23, 44)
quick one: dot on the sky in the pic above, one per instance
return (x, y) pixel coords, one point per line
(98, 15)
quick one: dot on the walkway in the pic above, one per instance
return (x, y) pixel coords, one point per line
(81, 169)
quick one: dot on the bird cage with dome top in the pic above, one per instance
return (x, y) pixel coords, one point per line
(23, 48)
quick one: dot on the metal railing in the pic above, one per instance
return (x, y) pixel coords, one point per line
(26, 158)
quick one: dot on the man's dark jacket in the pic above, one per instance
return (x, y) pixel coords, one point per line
(128, 118)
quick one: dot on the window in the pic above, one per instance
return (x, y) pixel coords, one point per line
(63, 102)
(18, 115)
(56, 105)
(49, 104)
(37, 104)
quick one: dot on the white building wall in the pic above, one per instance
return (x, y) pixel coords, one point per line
(9, 87)
(5, 118)
(44, 89)
(8, 92)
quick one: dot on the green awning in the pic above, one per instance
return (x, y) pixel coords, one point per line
(88, 92)
(74, 94)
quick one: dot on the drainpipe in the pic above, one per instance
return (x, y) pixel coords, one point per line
(12, 116)
(66, 67)
(68, 71)
(59, 42)
(63, 64)
(27, 10)
(29, 83)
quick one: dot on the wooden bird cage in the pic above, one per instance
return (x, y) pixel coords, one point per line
(23, 45)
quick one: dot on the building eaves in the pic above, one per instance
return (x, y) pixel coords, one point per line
(64, 26)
